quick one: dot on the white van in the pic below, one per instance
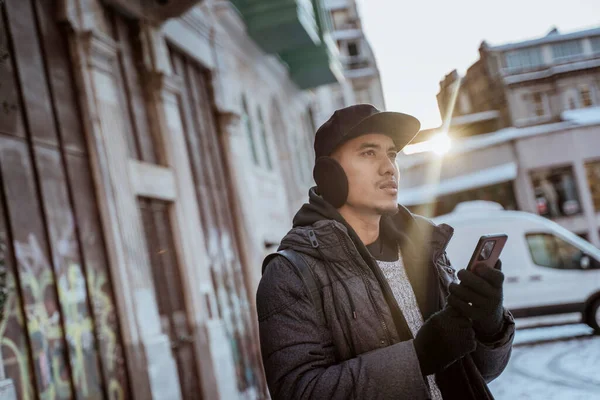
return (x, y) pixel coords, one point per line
(548, 269)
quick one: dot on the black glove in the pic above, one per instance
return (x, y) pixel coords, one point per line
(482, 288)
(444, 338)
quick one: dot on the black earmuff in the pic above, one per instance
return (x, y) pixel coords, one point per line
(331, 180)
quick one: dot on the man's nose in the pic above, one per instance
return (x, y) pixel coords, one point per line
(388, 166)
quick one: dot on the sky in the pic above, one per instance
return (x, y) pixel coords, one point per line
(417, 42)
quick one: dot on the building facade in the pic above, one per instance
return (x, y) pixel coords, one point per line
(151, 154)
(362, 83)
(525, 125)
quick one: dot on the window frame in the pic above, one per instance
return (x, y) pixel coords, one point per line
(356, 45)
(532, 106)
(265, 141)
(528, 58)
(549, 171)
(580, 91)
(563, 47)
(556, 241)
(248, 127)
(587, 178)
(595, 44)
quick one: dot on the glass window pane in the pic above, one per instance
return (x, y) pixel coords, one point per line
(352, 49)
(596, 44)
(265, 141)
(565, 50)
(586, 97)
(569, 254)
(247, 122)
(524, 58)
(543, 250)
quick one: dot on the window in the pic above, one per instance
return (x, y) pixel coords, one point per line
(308, 160)
(524, 59)
(352, 49)
(551, 251)
(311, 122)
(340, 19)
(536, 104)
(247, 122)
(566, 50)
(301, 156)
(464, 105)
(297, 159)
(592, 170)
(265, 142)
(556, 192)
(304, 147)
(585, 96)
(595, 44)
(362, 96)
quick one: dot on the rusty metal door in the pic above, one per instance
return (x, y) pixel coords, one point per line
(61, 337)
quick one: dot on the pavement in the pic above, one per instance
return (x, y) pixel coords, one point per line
(551, 363)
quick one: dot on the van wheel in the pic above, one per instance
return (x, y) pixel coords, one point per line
(594, 316)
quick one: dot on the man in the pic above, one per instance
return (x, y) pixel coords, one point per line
(390, 321)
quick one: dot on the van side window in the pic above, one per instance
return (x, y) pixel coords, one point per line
(551, 251)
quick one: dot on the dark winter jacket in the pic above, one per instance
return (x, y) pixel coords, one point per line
(365, 349)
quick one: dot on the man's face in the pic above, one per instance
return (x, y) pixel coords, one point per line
(370, 165)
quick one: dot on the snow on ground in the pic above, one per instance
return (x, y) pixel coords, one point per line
(554, 363)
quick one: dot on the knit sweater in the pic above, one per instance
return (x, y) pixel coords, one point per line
(395, 274)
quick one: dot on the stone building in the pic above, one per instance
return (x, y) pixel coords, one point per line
(150, 153)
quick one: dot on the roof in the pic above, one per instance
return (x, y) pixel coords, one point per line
(475, 117)
(571, 119)
(518, 77)
(485, 177)
(551, 38)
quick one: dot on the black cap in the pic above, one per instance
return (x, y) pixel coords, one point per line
(360, 119)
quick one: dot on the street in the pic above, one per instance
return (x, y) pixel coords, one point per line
(559, 362)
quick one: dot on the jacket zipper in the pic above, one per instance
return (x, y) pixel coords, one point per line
(365, 282)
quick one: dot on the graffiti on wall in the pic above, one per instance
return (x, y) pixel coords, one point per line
(45, 332)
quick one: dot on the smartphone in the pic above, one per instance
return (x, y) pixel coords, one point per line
(488, 250)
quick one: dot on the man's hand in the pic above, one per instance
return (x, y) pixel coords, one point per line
(444, 338)
(479, 297)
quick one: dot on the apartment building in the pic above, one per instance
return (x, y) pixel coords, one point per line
(525, 131)
(362, 83)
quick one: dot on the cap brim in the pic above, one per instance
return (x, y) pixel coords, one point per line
(402, 128)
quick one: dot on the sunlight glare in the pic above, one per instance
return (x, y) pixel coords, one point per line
(441, 143)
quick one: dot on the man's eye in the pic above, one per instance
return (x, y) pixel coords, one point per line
(393, 156)
(369, 153)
